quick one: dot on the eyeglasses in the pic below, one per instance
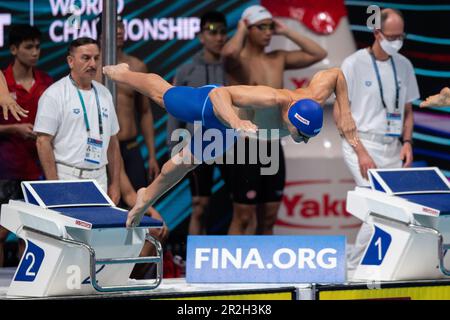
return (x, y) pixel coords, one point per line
(264, 26)
(394, 37)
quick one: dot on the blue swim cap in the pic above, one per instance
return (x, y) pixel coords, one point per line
(307, 116)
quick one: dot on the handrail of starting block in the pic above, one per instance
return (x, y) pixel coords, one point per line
(93, 262)
(442, 248)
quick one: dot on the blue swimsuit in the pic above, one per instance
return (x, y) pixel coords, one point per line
(190, 104)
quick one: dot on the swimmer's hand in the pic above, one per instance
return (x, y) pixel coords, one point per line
(347, 128)
(8, 104)
(438, 100)
(136, 213)
(116, 72)
(244, 125)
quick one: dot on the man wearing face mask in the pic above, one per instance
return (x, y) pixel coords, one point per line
(381, 85)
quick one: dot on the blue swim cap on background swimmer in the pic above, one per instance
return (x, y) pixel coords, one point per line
(307, 116)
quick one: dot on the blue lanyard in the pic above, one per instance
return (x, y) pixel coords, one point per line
(380, 86)
(97, 100)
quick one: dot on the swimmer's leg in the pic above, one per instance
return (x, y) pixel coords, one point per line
(171, 173)
(149, 84)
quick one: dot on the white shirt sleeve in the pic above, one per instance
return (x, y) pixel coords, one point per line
(347, 70)
(412, 88)
(48, 115)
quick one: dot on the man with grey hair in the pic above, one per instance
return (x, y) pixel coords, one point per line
(382, 86)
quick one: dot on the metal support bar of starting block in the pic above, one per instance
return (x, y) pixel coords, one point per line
(442, 248)
(93, 262)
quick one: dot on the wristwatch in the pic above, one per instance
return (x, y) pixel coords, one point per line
(407, 141)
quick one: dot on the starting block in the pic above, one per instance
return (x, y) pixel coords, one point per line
(76, 241)
(409, 212)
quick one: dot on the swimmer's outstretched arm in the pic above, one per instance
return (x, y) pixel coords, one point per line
(323, 84)
(441, 99)
(171, 173)
(246, 97)
(149, 84)
(7, 102)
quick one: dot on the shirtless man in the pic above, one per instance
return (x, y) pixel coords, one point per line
(441, 99)
(300, 115)
(256, 197)
(128, 101)
(8, 104)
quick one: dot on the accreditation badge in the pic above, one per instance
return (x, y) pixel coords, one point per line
(394, 124)
(93, 151)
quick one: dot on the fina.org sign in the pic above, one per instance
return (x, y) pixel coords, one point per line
(266, 259)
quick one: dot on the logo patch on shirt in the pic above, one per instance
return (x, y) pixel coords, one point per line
(368, 83)
(76, 111)
(105, 112)
(301, 119)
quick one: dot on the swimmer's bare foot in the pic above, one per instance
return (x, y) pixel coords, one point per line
(438, 100)
(136, 213)
(116, 72)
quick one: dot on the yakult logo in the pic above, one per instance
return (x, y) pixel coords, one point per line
(306, 206)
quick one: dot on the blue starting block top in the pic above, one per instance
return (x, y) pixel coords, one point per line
(424, 186)
(105, 217)
(82, 200)
(50, 194)
(409, 181)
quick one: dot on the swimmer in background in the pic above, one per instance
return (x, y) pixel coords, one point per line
(301, 115)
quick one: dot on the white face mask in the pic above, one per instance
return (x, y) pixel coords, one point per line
(391, 47)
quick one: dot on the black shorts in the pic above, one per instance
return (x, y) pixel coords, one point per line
(248, 186)
(201, 179)
(134, 164)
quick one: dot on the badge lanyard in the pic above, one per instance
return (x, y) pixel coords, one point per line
(380, 86)
(97, 100)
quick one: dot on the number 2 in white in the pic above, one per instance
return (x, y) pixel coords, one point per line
(380, 252)
(28, 272)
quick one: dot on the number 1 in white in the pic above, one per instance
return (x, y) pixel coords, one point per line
(380, 252)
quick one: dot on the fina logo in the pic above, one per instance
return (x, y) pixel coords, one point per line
(266, 259)
(76, 111)
(368, 83)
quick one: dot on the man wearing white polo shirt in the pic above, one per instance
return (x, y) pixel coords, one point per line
(382, 86)
(77, 125)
